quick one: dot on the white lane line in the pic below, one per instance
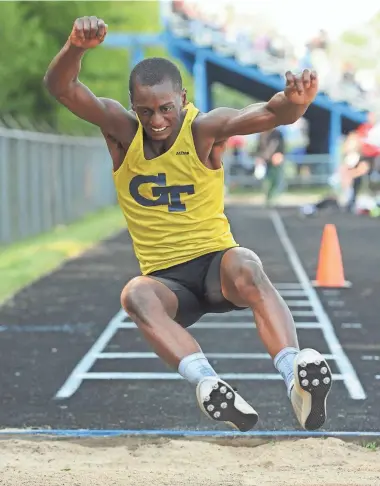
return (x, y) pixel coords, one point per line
(303, 313)
(351, 379)
(74, 381)
(292, 293)
(298, 303)
(248, 314)
(291, 303)
(351, 325)
(151, 355)
(228, 325)
(175, 376)
(288, 286)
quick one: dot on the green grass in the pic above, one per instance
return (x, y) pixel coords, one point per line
(23, 262)
(372, 446)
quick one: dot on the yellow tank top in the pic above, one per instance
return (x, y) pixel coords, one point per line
(173, 204)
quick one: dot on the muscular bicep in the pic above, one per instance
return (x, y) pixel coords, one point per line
(102, 112)
(223, 123)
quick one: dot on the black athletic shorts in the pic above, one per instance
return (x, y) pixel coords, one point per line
(197, 285)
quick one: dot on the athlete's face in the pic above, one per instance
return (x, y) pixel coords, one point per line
(158, 108)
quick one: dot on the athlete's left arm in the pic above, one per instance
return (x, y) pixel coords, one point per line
(283, 108)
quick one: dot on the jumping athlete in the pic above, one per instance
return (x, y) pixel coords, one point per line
(168, 174)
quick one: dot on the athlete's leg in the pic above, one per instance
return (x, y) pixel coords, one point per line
(355, 188)
(239, 277)
(245, 283)
(153, 307)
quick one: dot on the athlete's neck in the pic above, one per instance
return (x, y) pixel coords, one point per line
(154, 148)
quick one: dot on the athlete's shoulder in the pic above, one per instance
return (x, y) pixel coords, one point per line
(201, 117)
(117, 109)
(207, 124)
(217, 115)
(124, 122)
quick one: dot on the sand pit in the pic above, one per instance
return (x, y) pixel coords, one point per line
(157, 462)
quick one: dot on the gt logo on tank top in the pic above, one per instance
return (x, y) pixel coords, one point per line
(163, 195)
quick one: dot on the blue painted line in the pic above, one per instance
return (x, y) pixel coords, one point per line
(190, 433)
(66, 328)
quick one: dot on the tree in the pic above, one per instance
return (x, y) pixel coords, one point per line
(16, 68)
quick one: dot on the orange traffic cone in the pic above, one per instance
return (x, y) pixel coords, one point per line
(330, 272)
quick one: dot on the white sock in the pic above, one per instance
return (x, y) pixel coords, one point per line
(195, 367)
(283, 362)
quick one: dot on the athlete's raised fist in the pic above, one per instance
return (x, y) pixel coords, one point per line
(88, 32)
(302, 88)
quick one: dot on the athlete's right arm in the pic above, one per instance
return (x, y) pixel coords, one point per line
(61, 78)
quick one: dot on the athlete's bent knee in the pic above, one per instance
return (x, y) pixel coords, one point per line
(134, 297)
(251, 277)
(145, 300)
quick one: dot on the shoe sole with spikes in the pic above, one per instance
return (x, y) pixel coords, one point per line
(219, 401)
(312, 384)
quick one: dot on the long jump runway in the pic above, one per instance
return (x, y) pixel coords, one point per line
(71, 359)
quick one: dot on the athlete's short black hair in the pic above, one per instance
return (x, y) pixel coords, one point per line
(153, 71)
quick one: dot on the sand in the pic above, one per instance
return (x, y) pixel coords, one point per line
(157, 462)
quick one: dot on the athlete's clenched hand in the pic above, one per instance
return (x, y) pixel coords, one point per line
(88, 32)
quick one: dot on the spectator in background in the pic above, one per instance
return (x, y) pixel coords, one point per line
(297, 141)
(236, 148)
(360, 156)
(349, 79)
(320, 41)
(340, 184)
(373, 137)
(270, 154)
(368, 155)
(317, 57)
(277, 46)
